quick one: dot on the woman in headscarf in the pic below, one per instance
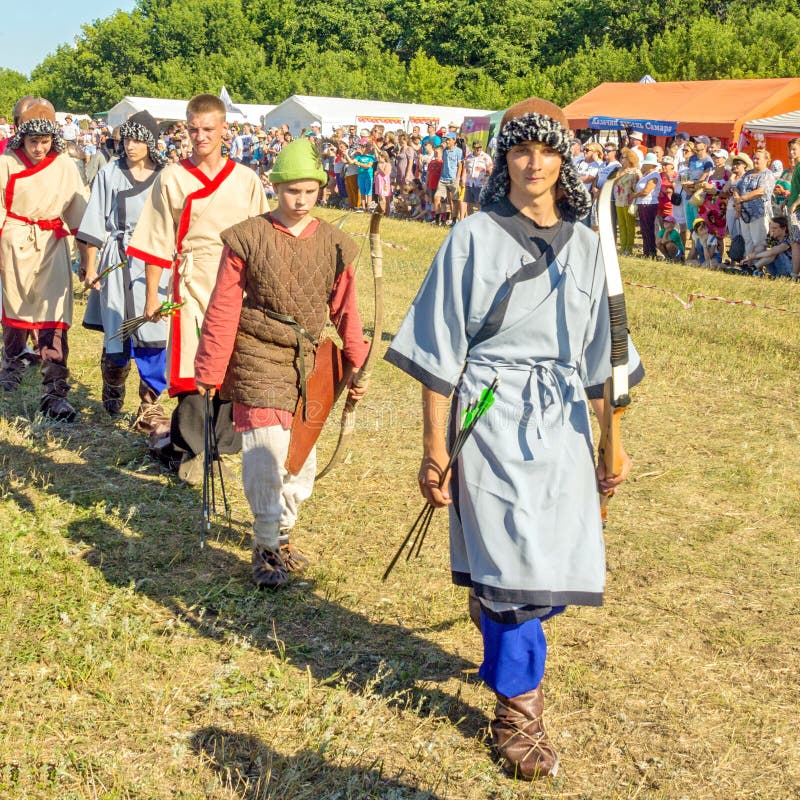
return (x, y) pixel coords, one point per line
(117, 280)
(517, 293)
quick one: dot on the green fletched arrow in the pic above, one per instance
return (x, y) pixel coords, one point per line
(130, 326)
(477, 409)
(469, 419)
(103, 274)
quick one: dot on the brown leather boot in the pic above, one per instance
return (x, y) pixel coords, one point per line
(294, 559)
(114, 377)
(11, 373)
(520, 738)
(269, 568)
(54, 398)
(151, 419)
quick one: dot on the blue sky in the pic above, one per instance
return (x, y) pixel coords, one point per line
(29, 33)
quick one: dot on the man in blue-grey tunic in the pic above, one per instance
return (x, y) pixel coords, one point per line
(118, 196)
(517, 292)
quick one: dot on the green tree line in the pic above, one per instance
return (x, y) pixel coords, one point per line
(477, 53)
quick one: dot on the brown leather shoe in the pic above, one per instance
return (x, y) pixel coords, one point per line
(54, 397)
(269, 568)
(151, 419)
(520, 738)
(57, 408)
(294, 559)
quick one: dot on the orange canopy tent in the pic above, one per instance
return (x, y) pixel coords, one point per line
(713, 108)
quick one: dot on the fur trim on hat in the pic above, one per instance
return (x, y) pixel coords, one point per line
(39, 127)
(573, 200)
(140, 133)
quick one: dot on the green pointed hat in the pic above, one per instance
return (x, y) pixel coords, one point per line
(298, 161)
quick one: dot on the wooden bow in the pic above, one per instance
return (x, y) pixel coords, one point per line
(615, 391)
(349, 413)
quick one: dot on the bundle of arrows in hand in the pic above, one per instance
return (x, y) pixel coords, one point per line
(473, 412)
(130, 326)
(103, 274)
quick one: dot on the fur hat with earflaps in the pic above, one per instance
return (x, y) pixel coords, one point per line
(537, 120)
(142, 127)
(39, 119)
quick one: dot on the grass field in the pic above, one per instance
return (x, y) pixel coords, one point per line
(135, 665)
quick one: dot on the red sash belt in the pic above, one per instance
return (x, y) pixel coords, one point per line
(56, 225)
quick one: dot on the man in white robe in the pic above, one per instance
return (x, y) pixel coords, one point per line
(191, 203)
(42, 200)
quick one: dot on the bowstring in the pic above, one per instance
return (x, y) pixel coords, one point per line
(357, 260)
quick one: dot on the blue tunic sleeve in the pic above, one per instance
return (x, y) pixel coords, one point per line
(431, 344)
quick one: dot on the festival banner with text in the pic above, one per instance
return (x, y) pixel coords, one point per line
(656, 127)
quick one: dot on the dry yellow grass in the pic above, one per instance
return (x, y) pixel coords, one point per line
(135, 665)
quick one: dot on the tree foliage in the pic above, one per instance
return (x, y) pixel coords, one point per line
(480, 53)
(12, 86)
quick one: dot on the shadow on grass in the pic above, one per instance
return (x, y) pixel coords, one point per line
(254, 771)
(156, 549)
(25, 400)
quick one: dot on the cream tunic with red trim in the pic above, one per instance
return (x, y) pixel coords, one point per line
(40, 205)
(179, 229)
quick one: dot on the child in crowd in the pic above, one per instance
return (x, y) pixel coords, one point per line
(434, 174)
(257, 157)
(328, 150)
(782, 190)
(669, 241)
(88, 145)
(365, 159)
(424, 159)
(774, 258)
(418, 202)
(383, 181)
(705, 247)
(269, 191)
(714, 207)
(401, 203)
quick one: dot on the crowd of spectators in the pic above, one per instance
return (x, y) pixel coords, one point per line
(699, 203)
(435, 177)
(694, 202)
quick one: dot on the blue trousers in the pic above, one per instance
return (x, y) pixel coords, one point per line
(150, 361)
(513, 655)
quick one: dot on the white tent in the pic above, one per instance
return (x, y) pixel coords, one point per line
(299, 111)
(782, 123)
(166, 110)
(252, 113)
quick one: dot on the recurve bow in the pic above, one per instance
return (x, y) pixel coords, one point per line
(348, 423)
(615, 391)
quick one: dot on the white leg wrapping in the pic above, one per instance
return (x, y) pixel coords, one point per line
(274, 495)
